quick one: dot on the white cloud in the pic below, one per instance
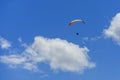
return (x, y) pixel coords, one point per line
(4, 44)
(12, 60)
(59, 54)
(114, 29)
(30, 66)
(20, 40)
(91, 38)
(18, 61)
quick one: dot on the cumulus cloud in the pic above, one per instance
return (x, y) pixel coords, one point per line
(30, 66)
(4, 44)
(15, 61)
(114, 29)
(12, 60)
(59, 54)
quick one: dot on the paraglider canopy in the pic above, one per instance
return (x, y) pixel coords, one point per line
(75, 21)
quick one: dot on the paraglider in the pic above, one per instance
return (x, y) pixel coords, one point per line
(75, 21)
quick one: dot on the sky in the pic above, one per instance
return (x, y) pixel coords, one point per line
(36, 42)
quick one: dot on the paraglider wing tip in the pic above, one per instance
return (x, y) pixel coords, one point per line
(70, 24)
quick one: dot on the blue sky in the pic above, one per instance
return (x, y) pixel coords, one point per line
(37, 44)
